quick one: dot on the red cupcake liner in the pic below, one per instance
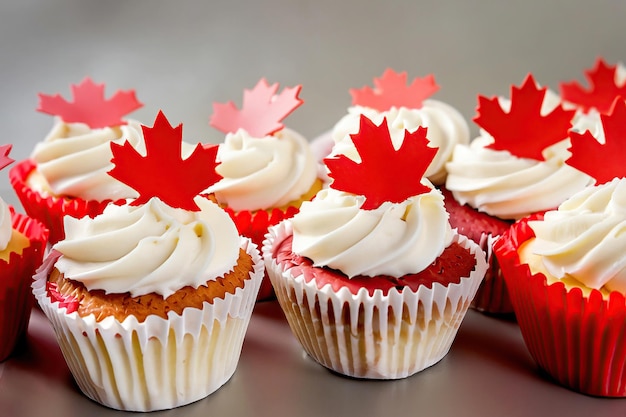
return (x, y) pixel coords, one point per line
(254, 224)
(16, 298)
(50, 210)
(579, 341)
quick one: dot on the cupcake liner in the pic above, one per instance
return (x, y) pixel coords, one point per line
(376, 337)
(579, 341)
(16, 299)
(254, 224)
(159, 363)
(492, 296)
(50, 210)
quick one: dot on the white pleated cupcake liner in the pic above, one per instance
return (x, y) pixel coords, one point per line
(381, 336)
(159, 363)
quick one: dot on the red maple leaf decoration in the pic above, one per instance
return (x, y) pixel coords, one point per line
(4, 155)
(384, 173)
(162, 172)
(602, 88)
(261, 113)
(602, 161)
(523, 131)
(391, 90)
(90, 106)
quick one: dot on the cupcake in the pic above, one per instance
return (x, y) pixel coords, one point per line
(514, 168)
(66, 173)
(150, 300)
(267, 169)
(566, 271)
(22, 244)
(405, 107)
(373, 281)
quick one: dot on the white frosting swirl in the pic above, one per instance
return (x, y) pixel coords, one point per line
(585, 238)
(509, 187)
(394, 239)
(263, 173)
(446, 128)
(149, 248)
(506, 186)
(6, 225)
(74, 159)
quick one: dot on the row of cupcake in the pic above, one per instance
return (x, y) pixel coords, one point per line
(538, 154)
(147, 266)
(373, 279)
(552, 168)
(164, 274)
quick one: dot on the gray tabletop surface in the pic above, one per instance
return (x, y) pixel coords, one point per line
(488, 372)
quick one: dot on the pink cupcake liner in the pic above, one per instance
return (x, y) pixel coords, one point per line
(492, 296)
(579, 341)
(16, 299)
(50, 210)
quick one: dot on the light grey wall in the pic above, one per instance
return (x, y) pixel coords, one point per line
(180, 56)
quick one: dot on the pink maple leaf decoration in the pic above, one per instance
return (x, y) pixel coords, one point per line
(162, 172)
(90, 106)
(4, 155)
(261, 113)
(602, 161)
(384, 173)
(391, 90)
(602, 88)
(523, 131)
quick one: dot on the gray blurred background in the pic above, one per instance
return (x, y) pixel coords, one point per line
(181, 56)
